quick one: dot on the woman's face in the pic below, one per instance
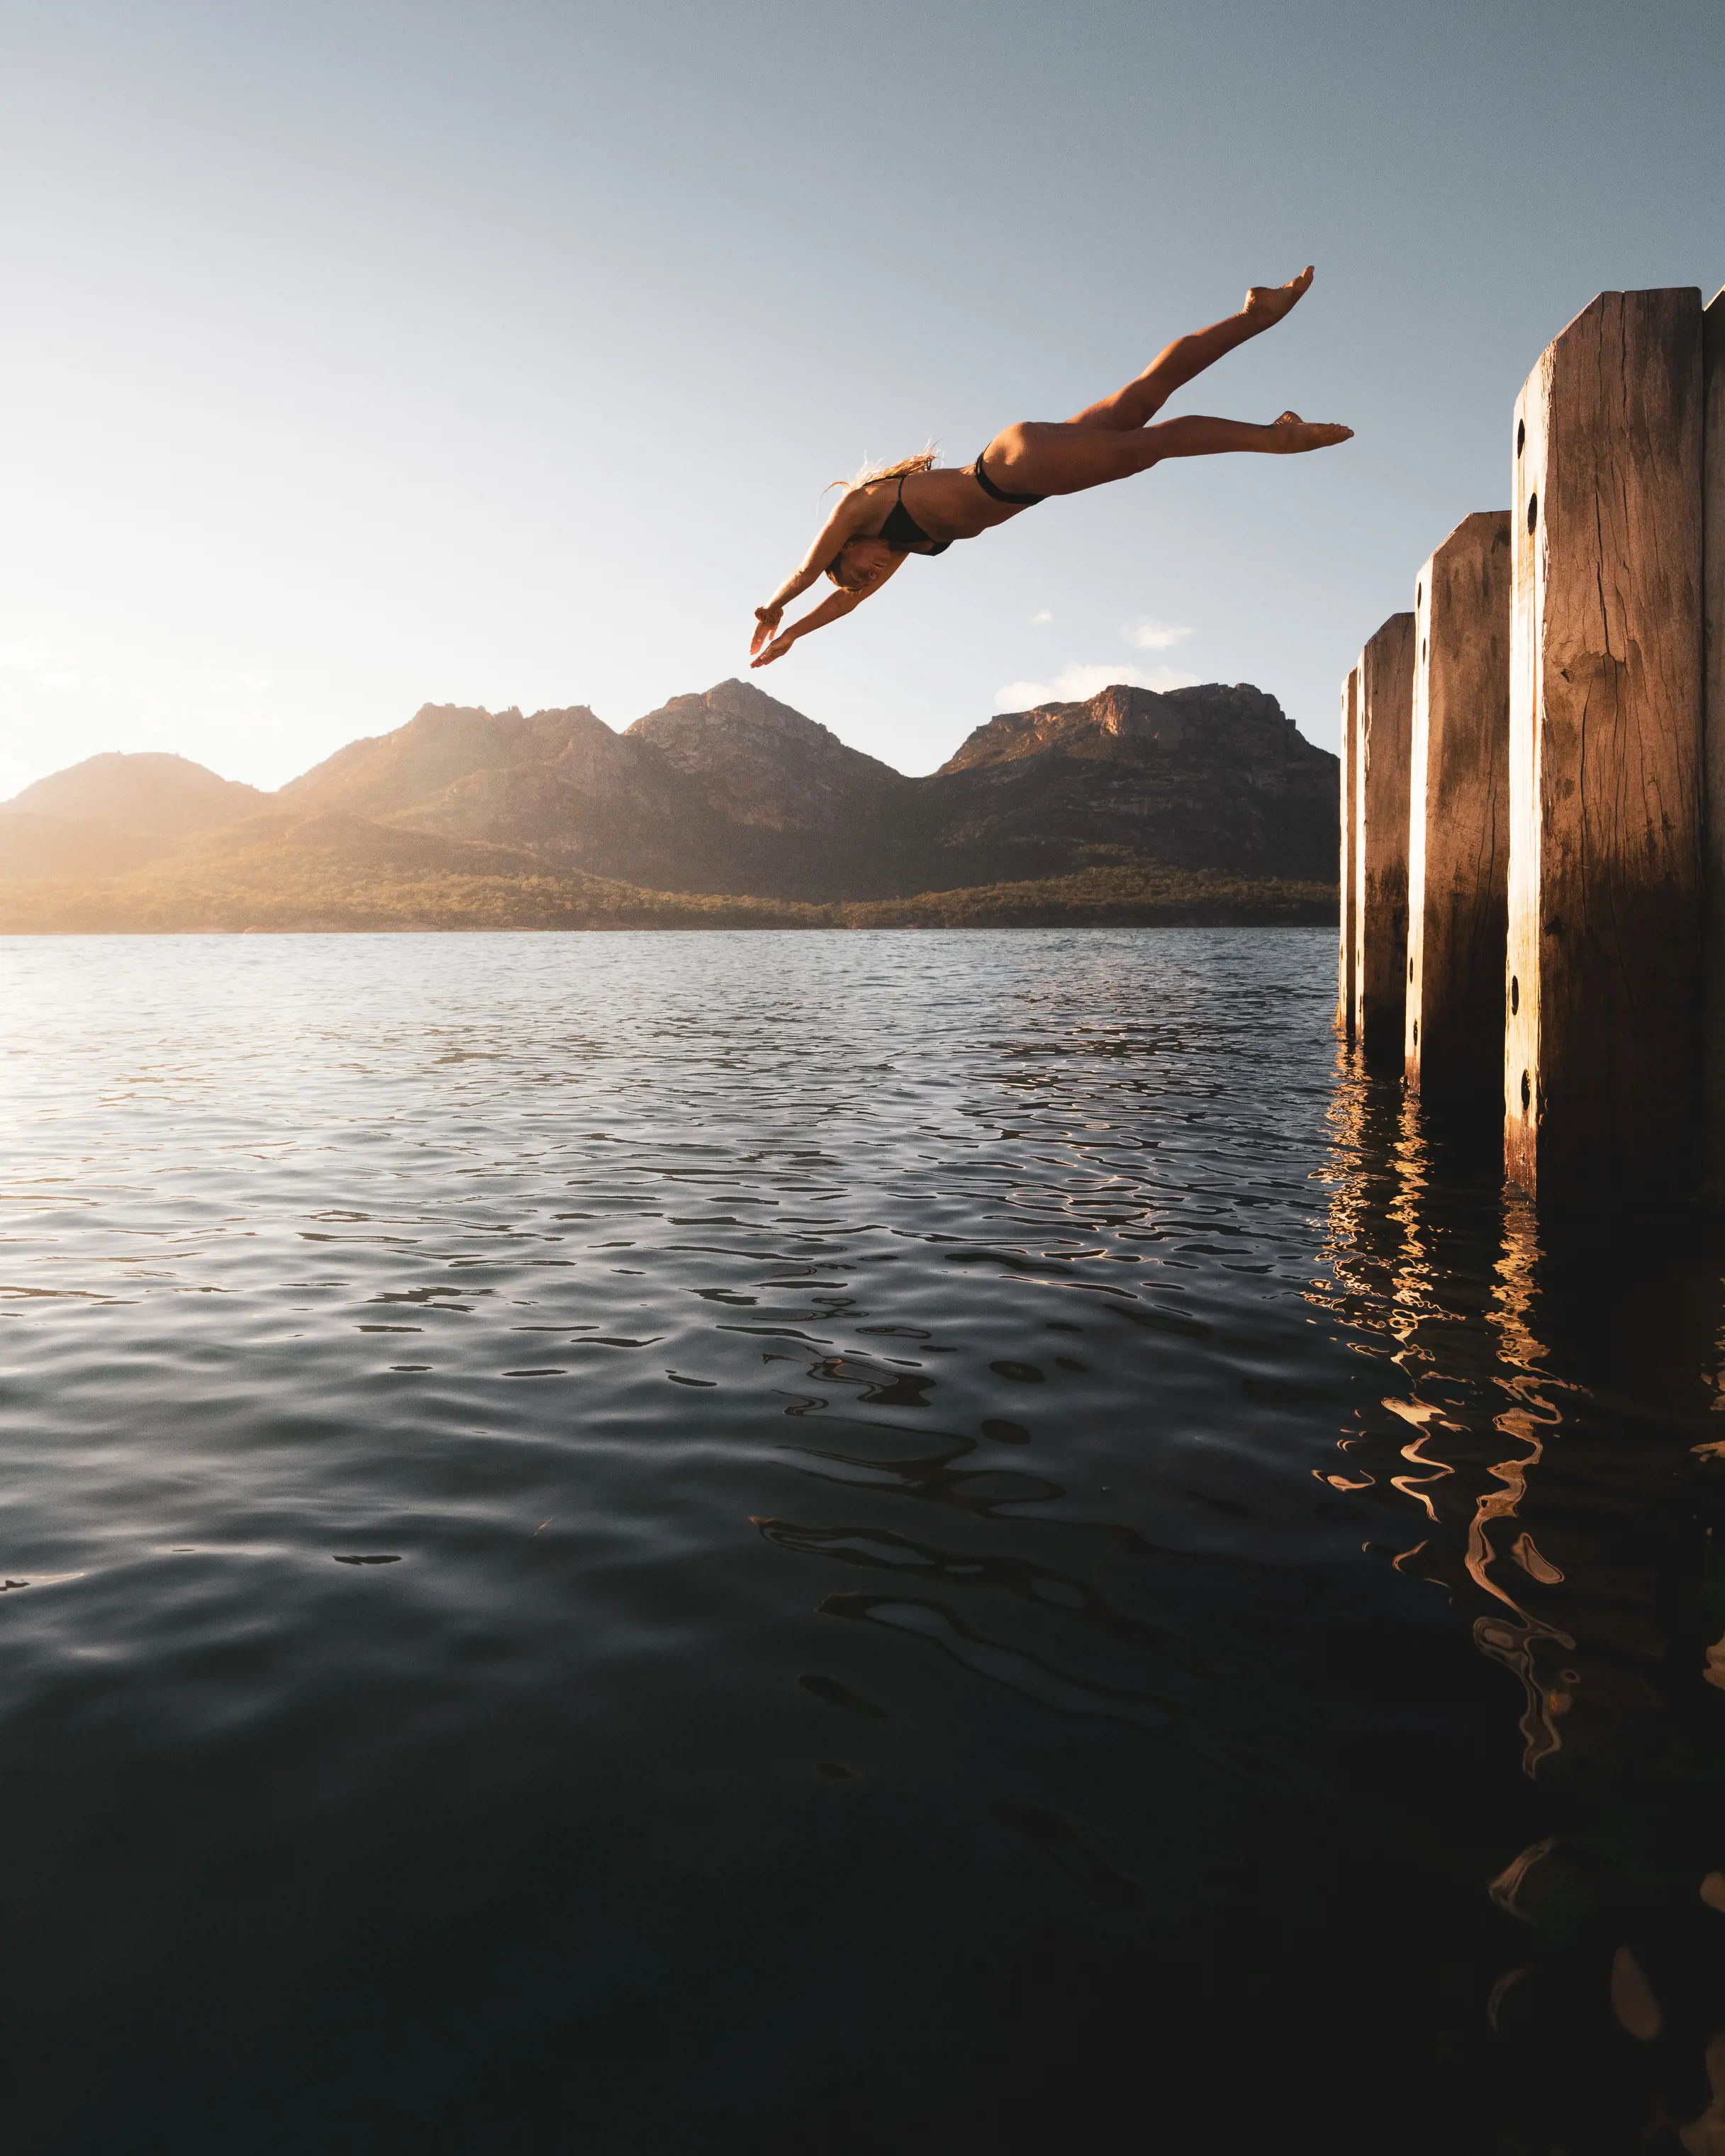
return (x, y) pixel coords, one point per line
(861, 564)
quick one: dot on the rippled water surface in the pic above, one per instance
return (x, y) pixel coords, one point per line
(829, 1544)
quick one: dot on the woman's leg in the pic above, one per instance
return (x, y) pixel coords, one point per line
(1176, 364)
(1034, 459)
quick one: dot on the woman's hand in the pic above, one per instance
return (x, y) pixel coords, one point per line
(767, 621)
(830, 609)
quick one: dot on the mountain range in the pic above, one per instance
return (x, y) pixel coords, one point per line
(725, 798)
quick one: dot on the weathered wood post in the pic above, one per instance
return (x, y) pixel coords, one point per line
(1713, 605)
(1601, 1039)
(1384, 727)
(1458, 819)
(1347, 893)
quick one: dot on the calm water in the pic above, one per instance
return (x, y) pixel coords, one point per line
(827, 1543)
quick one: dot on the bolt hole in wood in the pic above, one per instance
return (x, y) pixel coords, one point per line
(1515, 995)
(1416, 1033)
(1422, 648)
(1526, 1092)
(1521, 435)
(1532, 512)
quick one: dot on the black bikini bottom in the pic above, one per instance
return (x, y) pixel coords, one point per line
(999, 493)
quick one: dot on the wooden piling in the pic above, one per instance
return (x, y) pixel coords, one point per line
(1713, 609)
(1348, 894)
(1383, 706)
(1601, 1061)
(1458, 819)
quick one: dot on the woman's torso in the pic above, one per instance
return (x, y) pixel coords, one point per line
(946, 504)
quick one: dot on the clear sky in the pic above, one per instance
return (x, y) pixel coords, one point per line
(361, 355)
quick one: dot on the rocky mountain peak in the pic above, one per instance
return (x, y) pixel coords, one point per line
(759, 763)
(153, 794)
(1211, 719)
(440, 746)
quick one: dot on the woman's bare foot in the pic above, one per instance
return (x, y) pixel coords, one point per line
(1266, 304)
(1309, 434)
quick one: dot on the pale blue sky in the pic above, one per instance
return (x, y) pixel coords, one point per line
(359, 355)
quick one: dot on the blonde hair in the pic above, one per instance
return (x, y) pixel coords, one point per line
(869, 473)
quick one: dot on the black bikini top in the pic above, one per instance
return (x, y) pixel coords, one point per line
(901, 532)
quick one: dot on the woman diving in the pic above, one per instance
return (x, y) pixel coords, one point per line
(910, 508)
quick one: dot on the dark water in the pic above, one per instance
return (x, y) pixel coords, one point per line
(829, 1544)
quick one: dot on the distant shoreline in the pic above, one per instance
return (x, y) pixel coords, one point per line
(689, 928)
(335, 897)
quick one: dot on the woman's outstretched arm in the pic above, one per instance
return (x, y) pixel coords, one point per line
(833, 609)
(838, 527)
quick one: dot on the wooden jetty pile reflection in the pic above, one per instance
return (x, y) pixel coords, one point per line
(1547, 1452)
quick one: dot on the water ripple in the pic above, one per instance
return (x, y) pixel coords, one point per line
(452, 1385)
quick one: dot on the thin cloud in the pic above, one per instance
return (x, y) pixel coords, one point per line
(1037, 619)
(1077, 683)
(1146, 634)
